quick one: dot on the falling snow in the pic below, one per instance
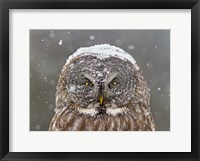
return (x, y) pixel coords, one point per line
(118, 42)
(92, 37)
(131, 47)
(45, 79)
(149, 65)
(72, 88)
(60, 42)
(51, 107)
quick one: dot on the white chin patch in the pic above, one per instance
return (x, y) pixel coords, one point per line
(92, 110)
(88, 111)
(114, 112)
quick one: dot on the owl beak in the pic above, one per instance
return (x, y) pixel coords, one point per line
(101, 100)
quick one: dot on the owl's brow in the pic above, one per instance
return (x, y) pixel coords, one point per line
(88, 76)
(113, 76)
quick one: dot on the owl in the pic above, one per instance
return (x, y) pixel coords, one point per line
(101, 88)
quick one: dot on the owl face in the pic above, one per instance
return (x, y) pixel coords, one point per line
(98, 85)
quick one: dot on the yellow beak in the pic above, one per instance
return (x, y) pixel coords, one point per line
(101, 100)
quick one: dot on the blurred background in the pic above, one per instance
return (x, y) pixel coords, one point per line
(49, 50)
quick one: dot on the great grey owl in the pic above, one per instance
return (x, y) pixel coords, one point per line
(101, 88)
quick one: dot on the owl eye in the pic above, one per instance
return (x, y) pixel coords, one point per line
(87, 83)
(113, 83)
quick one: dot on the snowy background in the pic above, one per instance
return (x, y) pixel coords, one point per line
(49, 50)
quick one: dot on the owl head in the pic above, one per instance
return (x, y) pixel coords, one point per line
(101, 80)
